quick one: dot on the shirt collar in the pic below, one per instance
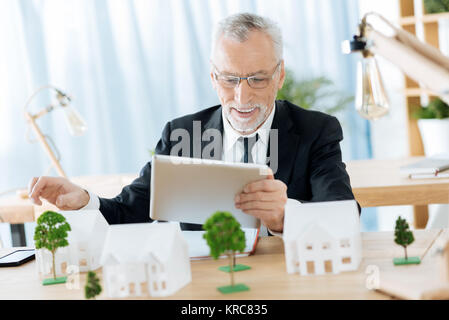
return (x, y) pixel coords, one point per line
(231, 136)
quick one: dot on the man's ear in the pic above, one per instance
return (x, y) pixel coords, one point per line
(282, 76)
(213, 80)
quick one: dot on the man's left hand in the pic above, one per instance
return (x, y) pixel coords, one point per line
(264, 199)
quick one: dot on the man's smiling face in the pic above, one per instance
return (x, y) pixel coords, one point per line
(244, 107)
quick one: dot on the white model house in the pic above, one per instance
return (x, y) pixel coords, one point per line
(322, 237)
(145, 259)
(86, 239)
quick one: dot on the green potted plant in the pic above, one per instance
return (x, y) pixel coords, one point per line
(224, 236)
(436, 6)
(440, 6)
(433, 123)
(317, 93)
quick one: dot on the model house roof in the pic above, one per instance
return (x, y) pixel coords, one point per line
(337, 218)
(129, 243)
(85, 225)
(315, 230)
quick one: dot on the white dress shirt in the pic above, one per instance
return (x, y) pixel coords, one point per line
(233, 151)
(233, 148)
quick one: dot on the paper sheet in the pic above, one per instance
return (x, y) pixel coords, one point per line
(198, 248)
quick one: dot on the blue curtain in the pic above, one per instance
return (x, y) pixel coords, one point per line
(131, 66)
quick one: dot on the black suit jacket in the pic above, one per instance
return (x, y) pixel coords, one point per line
(309, 161)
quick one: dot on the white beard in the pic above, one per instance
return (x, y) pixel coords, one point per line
(242, 125)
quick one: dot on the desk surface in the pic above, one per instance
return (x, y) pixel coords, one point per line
(378, 183)
(267, 279)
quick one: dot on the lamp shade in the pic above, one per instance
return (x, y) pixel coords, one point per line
(77, 126)
(371, 99)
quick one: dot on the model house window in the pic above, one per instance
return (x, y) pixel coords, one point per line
(328, 266)
(309, 246)
(132, 288)
(346, 260)
(122, 288)
(326, 245)
(153, 268)
(64, 267)
(155, 286)
(143, 288)
(163, 285)
(310, 267)
(83, 262)
(82, 248)
(345, 243)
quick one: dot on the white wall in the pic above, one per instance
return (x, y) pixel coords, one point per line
(389, 134)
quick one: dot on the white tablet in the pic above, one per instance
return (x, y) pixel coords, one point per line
(191, 190)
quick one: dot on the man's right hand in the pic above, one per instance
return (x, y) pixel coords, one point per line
(58, 191)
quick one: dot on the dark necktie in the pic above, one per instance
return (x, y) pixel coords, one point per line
(248, 144)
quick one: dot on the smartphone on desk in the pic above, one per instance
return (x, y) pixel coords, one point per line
(17, 258)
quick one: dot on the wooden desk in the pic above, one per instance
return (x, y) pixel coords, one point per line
(267, 279)
(378, 183)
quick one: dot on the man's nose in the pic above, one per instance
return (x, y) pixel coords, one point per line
(243, 92)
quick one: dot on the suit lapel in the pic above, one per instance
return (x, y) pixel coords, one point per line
(215, 122)
(288, 142)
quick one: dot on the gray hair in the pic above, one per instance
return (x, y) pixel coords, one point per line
(238, 27)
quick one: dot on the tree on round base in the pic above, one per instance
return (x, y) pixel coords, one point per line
(51, 234)
(404, 237)
(224, 235)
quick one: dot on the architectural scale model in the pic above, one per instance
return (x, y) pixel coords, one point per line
(86, 240)
(145, 259)
(322, 237)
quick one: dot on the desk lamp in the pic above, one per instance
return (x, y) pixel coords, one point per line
(418, 60)
(75, 123)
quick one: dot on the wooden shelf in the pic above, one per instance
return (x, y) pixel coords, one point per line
(408, 20)
(417, 92)
(427, 18)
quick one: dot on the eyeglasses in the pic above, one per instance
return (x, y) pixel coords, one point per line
(255, 82)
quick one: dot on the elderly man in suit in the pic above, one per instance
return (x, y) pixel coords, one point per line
(247, 70)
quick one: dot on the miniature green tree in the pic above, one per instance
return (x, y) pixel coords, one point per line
(404, 237)
(51, 234)
(92, 287)
(224, 236)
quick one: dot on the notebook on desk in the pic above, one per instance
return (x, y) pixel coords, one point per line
(439, 174)
(428, 167)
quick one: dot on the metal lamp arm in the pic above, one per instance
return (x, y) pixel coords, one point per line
(40, 136)
(421, 62)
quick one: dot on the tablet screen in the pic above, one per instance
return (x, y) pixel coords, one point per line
(16, 256)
